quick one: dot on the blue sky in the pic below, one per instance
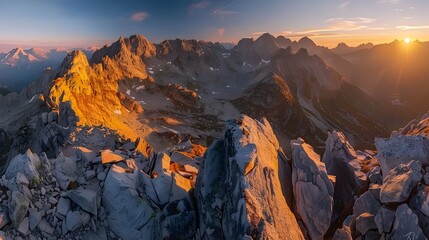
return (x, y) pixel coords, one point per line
(78, 23)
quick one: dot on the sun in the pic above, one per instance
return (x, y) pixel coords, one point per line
(407, 40)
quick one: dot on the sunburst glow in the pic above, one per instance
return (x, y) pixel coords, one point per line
(407, 40)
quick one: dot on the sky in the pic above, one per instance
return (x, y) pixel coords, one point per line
(86, 23)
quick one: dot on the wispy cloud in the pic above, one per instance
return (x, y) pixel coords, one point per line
(336, 27)
(197, 6)
(349, 24)
(344, 4)
(256, 34)
(223, 11)
(389, 1)
(411, 27)
(139, 16)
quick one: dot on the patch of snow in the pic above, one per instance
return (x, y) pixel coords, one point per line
(215, 93)
(142, 102)
(244, 64)
(32, 99)
(141, 87)
(266, 62)
(211, 68)
(133, 86)
(151, 72)
(117, 111)
(168, 99)
(128, 92)
(226, 54)
(171, 130)
(149, 68)
(228, 86)
(160, 70)
(397, 102)
(169, 63)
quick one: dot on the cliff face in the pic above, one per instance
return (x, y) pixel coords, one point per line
(242, 185)
(93, 90)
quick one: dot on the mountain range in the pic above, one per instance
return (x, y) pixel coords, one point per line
(188, 139)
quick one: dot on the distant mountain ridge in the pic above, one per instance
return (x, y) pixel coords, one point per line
(19, 67)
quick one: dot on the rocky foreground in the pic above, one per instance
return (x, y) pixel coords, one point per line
(242, 187)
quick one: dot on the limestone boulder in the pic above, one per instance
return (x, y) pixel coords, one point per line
(406, 225)
(400, 181)
(400, 149)
(312, 189)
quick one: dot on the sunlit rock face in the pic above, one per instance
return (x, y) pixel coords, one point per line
(242, 183)
(312, 188)
(92, 89)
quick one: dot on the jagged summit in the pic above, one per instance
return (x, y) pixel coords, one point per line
(306, 42)
(74, 62)
(136, 45)
(266, 45)
(16, 57)
(283, 42)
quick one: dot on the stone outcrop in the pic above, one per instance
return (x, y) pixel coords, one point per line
(377, 213)
(406, 225)
(240, 186)
(400, 181)
(312, 188)
(401, 149)
(183, 96)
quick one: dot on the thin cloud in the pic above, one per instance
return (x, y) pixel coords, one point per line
(335, 27)
(257, 33)
(349, 24)
(344, 4)
(389, 1)
(139, 16)
(291, 34)
(220, 31)
(223, 11)
(198, 6)
(408, 27)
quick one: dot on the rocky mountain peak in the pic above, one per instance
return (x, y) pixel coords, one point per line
(244, 43)
(283, 42)
(140, 46)
(342, 45)
(74, 62)
(136, 45)
(306, 42)
(16, 57)
(266, 37)
(266, 46)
